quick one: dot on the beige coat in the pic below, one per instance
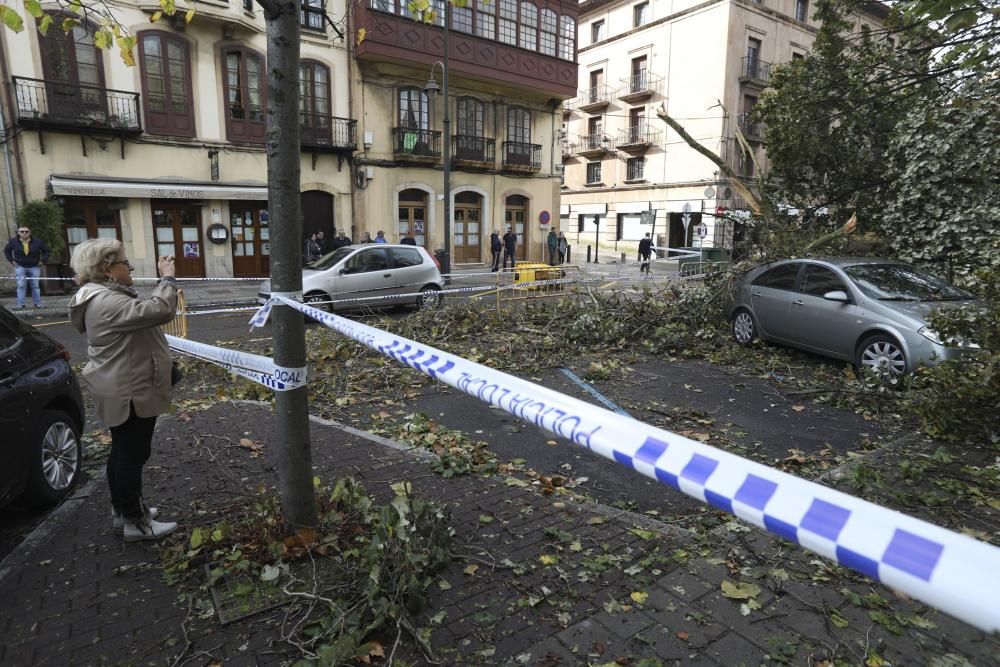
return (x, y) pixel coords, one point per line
(129, 357)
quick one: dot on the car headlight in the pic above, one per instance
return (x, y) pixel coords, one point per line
(953, 341)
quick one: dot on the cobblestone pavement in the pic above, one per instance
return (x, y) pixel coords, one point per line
(613, 586)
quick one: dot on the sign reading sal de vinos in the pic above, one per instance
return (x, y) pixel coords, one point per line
(94, 187)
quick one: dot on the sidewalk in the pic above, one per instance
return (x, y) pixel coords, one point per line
(74, 594)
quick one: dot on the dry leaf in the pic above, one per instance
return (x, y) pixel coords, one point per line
(551, 442)
(798, 408)
(683, 636)
(471, 569)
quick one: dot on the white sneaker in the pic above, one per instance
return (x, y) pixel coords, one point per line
(147, 529)
(117, 520)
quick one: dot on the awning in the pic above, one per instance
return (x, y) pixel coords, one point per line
(101, 187)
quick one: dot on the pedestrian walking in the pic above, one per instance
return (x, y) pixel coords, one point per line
(509, 247)
(129, 373)
(552, 241)
(27, 254)
(408, 240)
(495, 247)
(312, 250)
(563, 248)
(645, 250)
(365, 238)
(380, 237)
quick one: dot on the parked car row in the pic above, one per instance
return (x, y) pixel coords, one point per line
(870, 312)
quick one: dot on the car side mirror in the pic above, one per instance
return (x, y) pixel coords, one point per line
(344, 271)
(837, 295)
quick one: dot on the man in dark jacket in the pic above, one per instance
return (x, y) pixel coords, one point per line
(509, 246)
(645, 250)
(495, 247)
(408, 240)
(27, 255)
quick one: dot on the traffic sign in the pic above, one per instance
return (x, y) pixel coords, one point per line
(702, 230)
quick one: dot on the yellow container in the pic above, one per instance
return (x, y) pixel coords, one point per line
(527, 272)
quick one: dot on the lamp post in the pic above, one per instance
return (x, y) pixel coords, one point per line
(432, 87)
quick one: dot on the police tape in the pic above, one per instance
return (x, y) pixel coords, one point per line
(260, 369)
(955, 573)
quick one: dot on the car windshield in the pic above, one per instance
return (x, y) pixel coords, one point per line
(899, 282)
(326, 261)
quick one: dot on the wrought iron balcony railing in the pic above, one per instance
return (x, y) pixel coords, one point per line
(641, 84)
(320, 130)
(522, 155)
(638, 136)
(748, 127)
(594, 97)
(755, 70)
(470, 148)
(592, 143)
(414, 143)
(68, 105)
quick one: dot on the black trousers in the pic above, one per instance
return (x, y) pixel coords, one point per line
(496, 259)
(508, 254)
(131, 444)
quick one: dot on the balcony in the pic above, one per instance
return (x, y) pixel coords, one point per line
(638, 138)
(472, 151)
(521, 156)
(325, 133)
(392, 37)
(568, 148)
(751, 130)
(595, 98)
(591, 145)
(640, 86)
(62, 105)
(568, 106)
(413, 145)
(755, 72)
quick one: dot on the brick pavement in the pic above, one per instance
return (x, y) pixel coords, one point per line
(78, 596)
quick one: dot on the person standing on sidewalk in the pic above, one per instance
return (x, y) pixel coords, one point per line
(312, 250)
(380, 237)
(645, 250)
(27, 255)
(552, 241)
(129, 373)
(563, 248)
(509, 247)
(495, 247)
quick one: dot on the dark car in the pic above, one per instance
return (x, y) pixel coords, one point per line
(41, 416)
(872, 312)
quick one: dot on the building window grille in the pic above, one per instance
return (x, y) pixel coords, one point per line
(529, 26)
(486, 18)
(548, 33)
(567, 38)
(634, 168)
(508, 22)
(593, 173)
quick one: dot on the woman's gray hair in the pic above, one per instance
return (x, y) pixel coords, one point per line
(92, 259)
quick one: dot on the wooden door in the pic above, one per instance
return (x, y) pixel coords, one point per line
(74, 75)
(515, 216)
(411, 218)
(177, 232)
(467, 233)
(317, 215)
(251, 240)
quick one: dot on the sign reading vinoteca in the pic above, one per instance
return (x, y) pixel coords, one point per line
(88, 187)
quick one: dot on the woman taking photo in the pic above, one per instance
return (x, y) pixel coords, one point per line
(129, 371)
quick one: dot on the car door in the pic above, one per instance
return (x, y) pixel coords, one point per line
(771, 296)
(14, 401)
(365, 275)
(410, 272)
(820, 324)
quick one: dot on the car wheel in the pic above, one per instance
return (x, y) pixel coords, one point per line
(55, 459)
(319, 300)
(744, 327)
(429, 297)
(882, 357)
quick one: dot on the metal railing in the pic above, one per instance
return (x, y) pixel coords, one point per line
(68, 104)
(639, 135)
(600, 94)
(642, 82)
(592, 142)
(417, 143)
(326, 131)
(755, 69)
(748, 127)
(522, 154)
(471, 148)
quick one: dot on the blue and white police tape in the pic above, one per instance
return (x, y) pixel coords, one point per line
(953, 572)
(260, 369)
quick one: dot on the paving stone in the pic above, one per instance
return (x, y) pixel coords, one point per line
(686, 623)
(580, 637)
(550, 649)
(684, 585)
(732, 650)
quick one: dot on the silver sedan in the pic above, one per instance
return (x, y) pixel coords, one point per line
(870, 312)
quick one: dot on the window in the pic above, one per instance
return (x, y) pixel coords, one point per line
(638, 82)
(72, 60)
(596, 93)
(384, 5)
(637, 125)
(486, 18)
(244, 87)
(406, 257)
(801, 10)
(596, 31)
(547, 36)
(314, 103)
(519, 125)
(529, 26)
(89, 220)
(461, 18)
(311, 15)
(567, 38)
(634, 168)
(749, 102)
(593, 173)
(818, 280)
(248, 5)
(780, 277)
(166, 84)
(414, 109)
(797, 57)
(753, 53)
(470, 117)
(640, 14)
(368, 260)
(595, 129)
(508, 22)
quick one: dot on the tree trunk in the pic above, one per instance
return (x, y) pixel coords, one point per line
(291, 408)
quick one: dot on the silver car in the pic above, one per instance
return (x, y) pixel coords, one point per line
(871, 312)
(372, 275)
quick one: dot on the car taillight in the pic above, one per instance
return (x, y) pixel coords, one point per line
(436, 262)
(62, 351)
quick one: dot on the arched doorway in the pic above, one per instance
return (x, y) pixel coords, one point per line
(515, 216)
(412, 217)
(317, 216)
(467, 230)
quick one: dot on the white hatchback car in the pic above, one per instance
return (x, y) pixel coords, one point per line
(372, 275)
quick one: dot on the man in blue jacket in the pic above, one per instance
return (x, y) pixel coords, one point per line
(27, 255)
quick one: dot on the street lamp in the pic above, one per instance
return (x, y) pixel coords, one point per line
(432, 87)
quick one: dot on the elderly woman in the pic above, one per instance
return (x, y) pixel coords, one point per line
(129, 372)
